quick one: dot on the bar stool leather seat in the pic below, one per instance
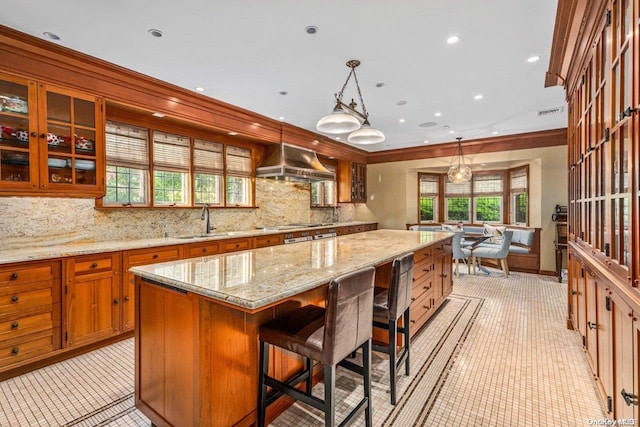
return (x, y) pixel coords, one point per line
(327, 335)
(390, 305)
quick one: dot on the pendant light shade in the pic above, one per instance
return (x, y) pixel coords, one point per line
(366, 135)
(459, 172)
(345, 118)
(338, 122)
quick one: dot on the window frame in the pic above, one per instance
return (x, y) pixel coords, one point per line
(435, 196)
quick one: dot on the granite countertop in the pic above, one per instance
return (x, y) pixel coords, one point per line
(42, 252)
(255, 278)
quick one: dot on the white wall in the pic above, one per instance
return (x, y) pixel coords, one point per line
(392, 189)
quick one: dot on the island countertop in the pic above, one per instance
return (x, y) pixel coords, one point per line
(257, 278)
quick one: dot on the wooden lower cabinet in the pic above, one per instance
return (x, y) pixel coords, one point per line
(92, 295)
(134, 258)
(625, 349)
(29, 312)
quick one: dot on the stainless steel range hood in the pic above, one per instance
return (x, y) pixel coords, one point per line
(291, 163)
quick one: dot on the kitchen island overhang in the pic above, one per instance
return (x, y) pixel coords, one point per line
(197, 320)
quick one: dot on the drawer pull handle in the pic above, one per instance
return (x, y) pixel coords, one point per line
(94, 265)
(14, 325)
(237, 245)
(629, 398)
(444, 276)
(15, 298)
(14, 276)
(204, 249)
(126, 299)
(155, 256)
(413, 321)
(574, 292)
(116, 301)
(426, 288)
(15, 350)
(414, 279)
(412, 299)
(425, 269)
(426, 306)
(591, 325)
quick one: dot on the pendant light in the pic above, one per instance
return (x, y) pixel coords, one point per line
(345, 118)
(459, 172)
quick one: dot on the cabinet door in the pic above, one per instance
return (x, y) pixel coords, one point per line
(71, 133)
(592, 321)
(605, 340)
(18, 134)
(625, 342)
(92, 309)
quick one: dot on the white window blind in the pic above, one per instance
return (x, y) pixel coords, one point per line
(487, 184)
(171, 152)
(518, 180)
(452, 189)
(238, 161)
(127, 145)
(428, 185)
(207, 157)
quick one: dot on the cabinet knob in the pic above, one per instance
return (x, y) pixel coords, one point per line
(237, 245)
(126, 299)
(414, 279)
(15, 350)
(14, 276)
(14, 325)
(94, 265)
(116, 301)
(412, 299)
(155, 256)
(43, 135)
(412, 321)
(204, 249)
(34, 134)
(15, 298)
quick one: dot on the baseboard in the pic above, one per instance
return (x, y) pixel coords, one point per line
(547, 273)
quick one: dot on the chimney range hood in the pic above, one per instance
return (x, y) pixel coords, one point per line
(291, 163)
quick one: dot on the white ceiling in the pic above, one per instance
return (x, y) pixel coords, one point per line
(246, 52)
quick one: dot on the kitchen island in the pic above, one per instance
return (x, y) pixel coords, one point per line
(197, 320)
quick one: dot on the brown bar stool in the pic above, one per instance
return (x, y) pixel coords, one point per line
(389, 305)
(328, 336)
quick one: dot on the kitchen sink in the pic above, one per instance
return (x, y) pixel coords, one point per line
(199, 236)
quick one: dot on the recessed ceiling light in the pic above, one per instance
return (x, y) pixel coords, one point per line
(452, 131)
(281, 118)
(426, 141)
(283, 92)
(157, 115)
(233, 133)
(483, 164)
(51, 35)
(380, 84)
(199, 88)
(338, 138)
(478, 97)
(315, 143)
(453, 39)
(438, 114)
(401, 102)
(495, 132)
(401, 120)
(155, 33)
(311, 29)
(534, 58)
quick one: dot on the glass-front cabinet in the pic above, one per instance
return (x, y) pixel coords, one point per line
(51, 139)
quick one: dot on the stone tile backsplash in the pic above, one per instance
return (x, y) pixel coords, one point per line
(34, 221)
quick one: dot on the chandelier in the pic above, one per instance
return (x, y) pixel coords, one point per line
(345, 118)
(459, 173)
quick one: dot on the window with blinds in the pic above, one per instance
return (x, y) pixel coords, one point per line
(127, 176)
(171, 166)
(487, 184)
(238, 176)
(208, 170)
(428, 200)
(519, 196)
(487, 198)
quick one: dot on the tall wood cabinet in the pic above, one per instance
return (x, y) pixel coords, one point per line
(352, 182)
(51, 139)
(596, 57)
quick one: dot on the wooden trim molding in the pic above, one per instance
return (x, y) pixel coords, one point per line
(127, 90)
(522, 141)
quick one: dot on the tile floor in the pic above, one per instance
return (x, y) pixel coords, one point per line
(496, 354)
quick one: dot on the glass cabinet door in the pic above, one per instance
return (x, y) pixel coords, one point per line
(18, 136)
(68, 132)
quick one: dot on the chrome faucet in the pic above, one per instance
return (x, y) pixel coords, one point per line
(204, 215)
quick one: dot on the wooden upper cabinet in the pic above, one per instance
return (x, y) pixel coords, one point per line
(52, 139)
(352, 182)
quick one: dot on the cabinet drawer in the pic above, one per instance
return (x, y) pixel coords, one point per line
(26, 347)
(420, 308)
(272, 240)
(17, 298)
(93, 264)
(423, 268)
(420, 287)
(26, 325)
(422, 254)
(29, 273)
(150, 256)
(200, 249)
(236, 245)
